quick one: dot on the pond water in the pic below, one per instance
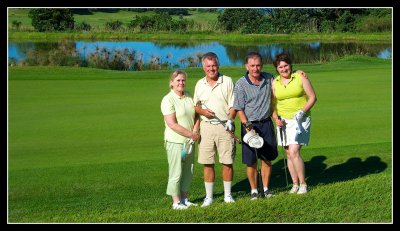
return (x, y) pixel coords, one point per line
(183, 54)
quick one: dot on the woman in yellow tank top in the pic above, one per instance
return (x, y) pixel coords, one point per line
(293, 97)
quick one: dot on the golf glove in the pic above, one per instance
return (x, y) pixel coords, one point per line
(299, 115)
(229, 125)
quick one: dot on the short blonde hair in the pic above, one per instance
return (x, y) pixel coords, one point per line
(175, 74)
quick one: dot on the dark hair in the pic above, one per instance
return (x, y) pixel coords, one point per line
(282, 57)
(210, 56)
(253, 55)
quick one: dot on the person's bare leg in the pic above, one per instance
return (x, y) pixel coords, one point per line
(291, 167)
(251, 171)
(297, 161)
(266, 169)
(227, 172)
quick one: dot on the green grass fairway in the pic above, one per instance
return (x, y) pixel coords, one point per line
(86, 146)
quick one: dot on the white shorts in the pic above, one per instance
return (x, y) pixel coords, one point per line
(290, 132)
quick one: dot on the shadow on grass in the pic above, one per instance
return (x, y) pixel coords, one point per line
(318, 173)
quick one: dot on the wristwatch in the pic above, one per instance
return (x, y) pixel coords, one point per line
(248, 125)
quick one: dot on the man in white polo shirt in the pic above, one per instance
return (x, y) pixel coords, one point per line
(214, 97)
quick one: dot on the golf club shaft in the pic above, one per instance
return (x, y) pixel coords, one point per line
(284, 154)
(259, 177)
(234, 137)
(284, 162)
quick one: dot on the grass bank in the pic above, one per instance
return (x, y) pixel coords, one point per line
(250, 38)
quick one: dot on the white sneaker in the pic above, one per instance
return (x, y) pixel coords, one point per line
(302, 189)
(229, 199)
(253, 196)
(268, 193)
(188, 203)
(207, 201)
(179, 206)
(294, 189)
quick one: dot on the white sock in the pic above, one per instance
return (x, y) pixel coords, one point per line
(254, 191)
(227, 188)
(265, 189)
(209, 189)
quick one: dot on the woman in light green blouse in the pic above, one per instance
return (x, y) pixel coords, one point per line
(181, 128)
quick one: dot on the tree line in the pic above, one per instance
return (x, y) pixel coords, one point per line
(239, 20)
(290, 20)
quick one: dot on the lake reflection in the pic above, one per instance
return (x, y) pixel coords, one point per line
(184, 54)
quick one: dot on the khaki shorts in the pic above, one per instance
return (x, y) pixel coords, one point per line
(215, 139)
(289, 133)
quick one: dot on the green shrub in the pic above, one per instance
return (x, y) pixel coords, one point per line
(16, 24)
(83, 26)
(345, 22)
(51, 19)
(374, 24)
(114, 25)
(327, 26)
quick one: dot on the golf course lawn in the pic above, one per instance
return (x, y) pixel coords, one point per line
(86, 146)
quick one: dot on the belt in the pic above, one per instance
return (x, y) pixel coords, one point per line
(213, 122)
(261, 121)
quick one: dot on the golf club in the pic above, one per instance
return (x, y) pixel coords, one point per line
(284, 153)
(259, 178)
(199, 103)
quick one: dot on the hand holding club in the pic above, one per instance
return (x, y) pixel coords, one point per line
(199, 103)
(207, 112)
(248, 125)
